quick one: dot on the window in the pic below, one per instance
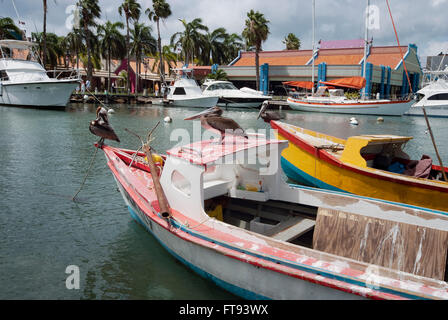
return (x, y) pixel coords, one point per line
(179, 91)
(3, 75)
(439, 96)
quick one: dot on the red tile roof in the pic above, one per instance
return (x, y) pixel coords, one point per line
(387, 56)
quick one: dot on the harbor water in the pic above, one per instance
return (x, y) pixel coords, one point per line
(44, 157)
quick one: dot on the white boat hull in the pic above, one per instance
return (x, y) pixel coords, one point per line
(250, 282)
(37, 94)
(431, 111)
(389, 108)
(195, 102)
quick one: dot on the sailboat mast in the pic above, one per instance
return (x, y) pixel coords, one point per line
(366, 39)
(312, 69)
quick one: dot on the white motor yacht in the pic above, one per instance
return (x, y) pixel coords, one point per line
(185, 92)
(24, 81)
(231, 96)
(434, 97)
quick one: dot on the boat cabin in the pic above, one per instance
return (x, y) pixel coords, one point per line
(184, 85)
(18, 63)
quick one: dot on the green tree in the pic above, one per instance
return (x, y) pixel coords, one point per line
(190, 40)
(233, 44)
(8, 29)
(54, 48)
(143, 43)
(75, 45)
(292, 42)
(255, 33)
(168, 56)
(90, 10)
(218, 75)
(214, 49)
(161, 10)
(112, 44)
(131, 10)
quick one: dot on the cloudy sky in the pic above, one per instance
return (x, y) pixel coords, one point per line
(423, 22)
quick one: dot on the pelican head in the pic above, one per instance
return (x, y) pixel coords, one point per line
(263, 108)
(213, 111)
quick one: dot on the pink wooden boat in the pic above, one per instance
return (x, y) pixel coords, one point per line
(234, 220)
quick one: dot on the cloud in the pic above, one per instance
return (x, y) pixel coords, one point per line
(416, 21)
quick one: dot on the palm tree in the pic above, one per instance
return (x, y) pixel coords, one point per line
(89, 11)
(8, 29)
(75, 45)
(214, 48)
(292, 42)
(162, 11)
(190, 40)
(256, 32)
(168, 56)
(142, 43)
(233, 44)
(131, 10)
(218, 75)
(112, 44)
(53, 49)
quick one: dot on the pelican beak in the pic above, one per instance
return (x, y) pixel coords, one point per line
(202, 113)
(263, 108)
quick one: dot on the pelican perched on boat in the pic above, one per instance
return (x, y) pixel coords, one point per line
(267, 116)
(212, 119)
(101, 127)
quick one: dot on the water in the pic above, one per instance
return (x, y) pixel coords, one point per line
(44, 156)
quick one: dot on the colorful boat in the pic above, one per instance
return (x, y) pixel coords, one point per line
(329, 99)
(237, 223)
(367, 165)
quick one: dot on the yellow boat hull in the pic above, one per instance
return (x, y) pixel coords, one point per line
(316, 168)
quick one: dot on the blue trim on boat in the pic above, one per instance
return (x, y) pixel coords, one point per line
(250, 295)
(302, 177)
(243, 293)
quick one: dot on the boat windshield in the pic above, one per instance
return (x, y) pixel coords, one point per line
(222, 86)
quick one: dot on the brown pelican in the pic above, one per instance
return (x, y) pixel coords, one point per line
(212, 120)
(101, 127)
(267, 116)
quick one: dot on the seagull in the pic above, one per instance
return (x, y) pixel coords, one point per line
(101, 127)
(211, 119)
(267, 116)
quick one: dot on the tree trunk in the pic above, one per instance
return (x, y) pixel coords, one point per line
(89, 59)
(257, 68)
(108, 69)
(128, 86)
(44, 35)
(161, 64)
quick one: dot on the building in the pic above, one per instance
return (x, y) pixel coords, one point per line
(333, 60)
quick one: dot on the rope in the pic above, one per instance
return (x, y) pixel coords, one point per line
(107, 108)
(87, 173)
(399, 46)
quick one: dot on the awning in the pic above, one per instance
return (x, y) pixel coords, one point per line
(299, 84)
(353, 82)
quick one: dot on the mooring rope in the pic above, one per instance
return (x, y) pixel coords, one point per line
(87, 173)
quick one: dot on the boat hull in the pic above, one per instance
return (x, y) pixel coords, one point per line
(440, 111)
(317, 168)
(390, 108)
(233, 102)
(196, 102)
(250, 282)
(54, 94)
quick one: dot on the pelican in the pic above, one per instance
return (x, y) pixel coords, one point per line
(267, 116)
(212, 120)
(101, 127)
